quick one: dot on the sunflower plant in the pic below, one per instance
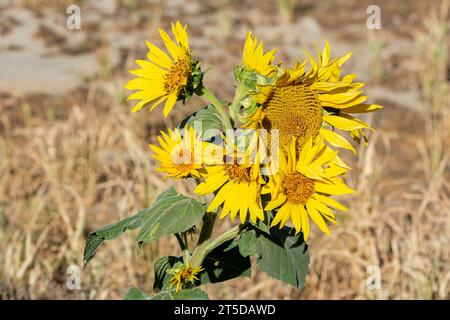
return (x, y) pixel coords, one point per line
(268, 161)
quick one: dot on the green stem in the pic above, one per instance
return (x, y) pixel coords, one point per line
(202, 250)
(218, 105)
(180, 241)
(208, 225)
(186, 256)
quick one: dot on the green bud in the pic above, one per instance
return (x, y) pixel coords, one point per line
(194, 84)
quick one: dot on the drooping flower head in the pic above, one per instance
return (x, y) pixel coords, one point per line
(164, 78)
(312, 103)
(302, 184)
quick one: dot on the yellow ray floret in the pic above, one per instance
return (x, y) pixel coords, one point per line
(162, 77)
(301, 187)
(254, 58)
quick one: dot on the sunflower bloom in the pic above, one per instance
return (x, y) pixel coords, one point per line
(163, 77)
(302, 185)
(313, 103)
(238, 189)
(184, 274)
(183, 155)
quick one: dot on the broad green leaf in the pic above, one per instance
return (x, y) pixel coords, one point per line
(248, 244)
(225, 263)
(207, 121)
(112, 231)
(136, 294)
(170, 213)
(280, 255)
(185, 294)
(161, 276)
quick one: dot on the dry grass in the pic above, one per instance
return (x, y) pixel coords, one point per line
(65, 173)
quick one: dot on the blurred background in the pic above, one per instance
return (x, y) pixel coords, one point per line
(74, 158)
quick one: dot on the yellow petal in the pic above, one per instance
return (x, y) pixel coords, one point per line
(334, 171)
(325, 156)
(326, 54)
(157, 56)
(244, 201)
(157, 102)
(287, 214)
(336, 189)
(305, 222)
(296, 218)
(219, 198)
(342, 100)
(329, 201)
(170, 103)
(170, 45)
(336, 140)
(284, 210)
(306, 155)
(317, 218)
(275, 203)
(235, 195)
(323, 209)
(342, 60)
(211, 184)
(345, 123)
(363, 108)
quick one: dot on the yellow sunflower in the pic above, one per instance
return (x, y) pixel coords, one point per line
(312, 103)
(163, 77)
(182, 154)
(184, 274)
(238, 185)
(301, 186)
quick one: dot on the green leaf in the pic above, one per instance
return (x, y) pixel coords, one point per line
(161, 276)
(170, 213)
(224, 263)
(185, 294)
(248, 244)
(136, 294)
(112, 231)
(207, 121)
(280, 255)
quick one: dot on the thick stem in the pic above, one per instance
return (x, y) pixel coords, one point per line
(202, 250)
(186, 257)
(218, 105)
(207, 228)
